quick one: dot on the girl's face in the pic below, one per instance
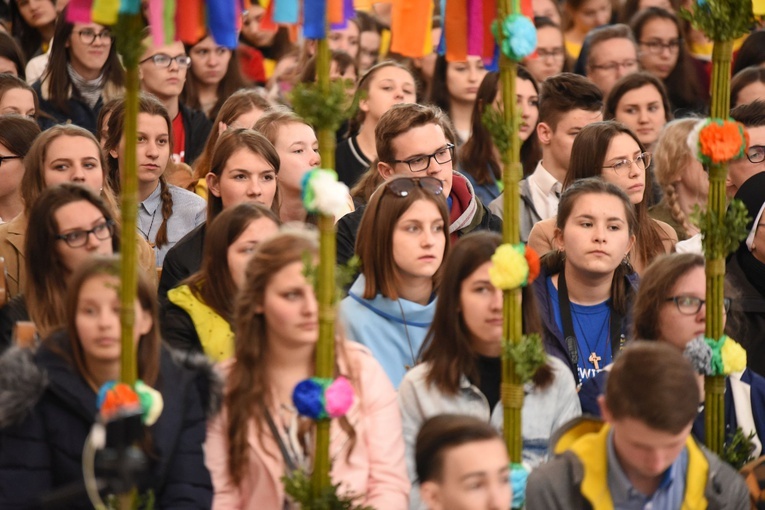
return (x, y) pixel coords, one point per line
(37, 13)
(345, 39)
(290, 308)
(630, 177)
(153, 148)
(18, 102)
(546, 9)
(11, 172)
(369, 49)
(550, 55)
(481, 309)
(246, 177)
(659, 47)
(209, 61)
(464, 78)
(251, 30)
(79, 220)
(419, 239)
(528, 101)
(591, 14)
(678, 328)
(98, 320)
(89, 47)
(241, 250)
(74, 159)
(298, 151)
(390, 85)
(245, 120)
(642, 110)
(596, 235)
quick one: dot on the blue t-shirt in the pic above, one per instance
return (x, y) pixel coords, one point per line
(592, 331)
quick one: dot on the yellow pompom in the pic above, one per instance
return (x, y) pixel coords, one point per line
(510, 269)
(733, 356)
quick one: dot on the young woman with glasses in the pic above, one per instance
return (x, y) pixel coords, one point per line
(550, 57)
(671, 307)
(401, 243)
(663, 53)
(83, 73)
(68, 224)
(610, 151)
(461, 364)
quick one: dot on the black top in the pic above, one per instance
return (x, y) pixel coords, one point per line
(182, 260)
(350, 162)
(489, 378)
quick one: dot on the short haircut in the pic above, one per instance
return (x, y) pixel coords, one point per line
(743, 79)
(750, 115)
(608, 32)
(563, 93)
(443, 432)
(400, 118)
(653, 383)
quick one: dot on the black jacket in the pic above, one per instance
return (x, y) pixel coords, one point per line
(47, 411)
(182, 260)
(14, 311)
(198, 128)
(80, 114)
(746, 322)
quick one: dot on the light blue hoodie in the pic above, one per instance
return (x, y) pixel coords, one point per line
(393, 330)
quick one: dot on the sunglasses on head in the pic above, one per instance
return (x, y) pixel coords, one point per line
(403, 186)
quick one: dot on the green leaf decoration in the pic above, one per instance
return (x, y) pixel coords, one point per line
(720, 238)
(323, 110)
(129, 33)
(721, 20)
(501, 132)
(528, 354)
(298, 487)
(738, 449)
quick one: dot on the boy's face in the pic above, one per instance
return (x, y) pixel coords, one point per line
(557, 142)
(475, 476)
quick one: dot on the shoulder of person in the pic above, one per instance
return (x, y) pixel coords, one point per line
(665, 231)
(201, 370)
(22, 384)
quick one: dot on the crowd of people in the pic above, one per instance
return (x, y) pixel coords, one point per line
(226, 316)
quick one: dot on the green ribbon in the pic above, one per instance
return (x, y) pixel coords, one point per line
(717, 361)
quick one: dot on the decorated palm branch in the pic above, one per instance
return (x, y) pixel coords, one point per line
(715, 142)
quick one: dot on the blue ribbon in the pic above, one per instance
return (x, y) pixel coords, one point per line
(221, 21)
(286, 11)
(314, 15)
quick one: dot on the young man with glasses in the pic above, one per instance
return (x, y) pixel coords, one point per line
(418, 141)
(752, 116)
(611, 54)
(162, 71)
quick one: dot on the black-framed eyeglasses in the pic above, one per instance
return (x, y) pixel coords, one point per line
(79, 238)
(641, 161)
(421, 163)
(554, 53)
(404, 185)
(690, 305)
(89, 36)
(657, 47)
(614, 66)
(756, 154)
(3, 158)
(163, 60)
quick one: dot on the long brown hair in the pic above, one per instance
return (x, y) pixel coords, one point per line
(46, 274)
(554, 261)
(248, 396)
(588, 155)
(33, 182)
(447, 346)
(148, 347)
(213, 284)
(374, 241)
(149, 105)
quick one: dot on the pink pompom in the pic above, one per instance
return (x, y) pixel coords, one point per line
(338, 397)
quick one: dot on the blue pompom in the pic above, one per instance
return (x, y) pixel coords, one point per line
(308, 398)
(519, 474)
(520, 37)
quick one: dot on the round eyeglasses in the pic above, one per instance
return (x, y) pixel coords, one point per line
(79, 238)
(641, 161)
(690, 305)
(422, 162)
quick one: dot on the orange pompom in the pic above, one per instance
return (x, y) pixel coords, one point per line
(532, 259)
(121, 396)
(722, 141)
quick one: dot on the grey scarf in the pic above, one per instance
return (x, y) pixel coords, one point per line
(89, 90)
